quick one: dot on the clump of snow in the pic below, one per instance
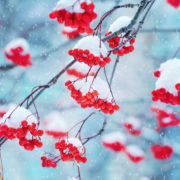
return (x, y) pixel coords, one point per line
(114, 137)
(93, 44)
(55, 122)
(19, 42)
(83, 68)
(99, 85)
(77, 143)
(134, 121)
(170, 76)
(15, 116)
(69, 29)
(71, 5)
(134, 150)
(122, 21)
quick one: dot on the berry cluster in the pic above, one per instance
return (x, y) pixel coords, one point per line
(89, 58)
(80, 20)
(165, 119)
(69, 152)
(76, 73)
(71, 34)
(166, 97)
(2, 113)
(48, 162)
(130, 128)
(91, 99)
(56, 134)
(22, 134)
(174, 3)
(115, 146)
(17, 56)
(162, 152)
(116, 41)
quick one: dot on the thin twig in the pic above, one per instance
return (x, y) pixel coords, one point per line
(98, 133)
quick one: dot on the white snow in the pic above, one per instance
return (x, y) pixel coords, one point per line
(71, 5)
(167, 120)
(77, 143)
(134, 150)
(170, 76)
(17, 116)
(19, 42)
(69, 29)
(55, 122)
(134, 121)
(92, 43)
(122, 21)
(114, 137)
(83, 68)
(99, 85)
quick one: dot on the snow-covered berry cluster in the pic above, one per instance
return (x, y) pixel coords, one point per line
(71, 33)
(168, 83)
(55, 125)
(116, 141)
(161, 152)
(17, 51)
(70, 149)
(165, 117)
(133, 126)
(81, 70)
(91, 51)
(114, 42)
(19, 123)
(75, 14)
(92, 92)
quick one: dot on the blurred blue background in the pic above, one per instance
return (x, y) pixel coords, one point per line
(132, 88)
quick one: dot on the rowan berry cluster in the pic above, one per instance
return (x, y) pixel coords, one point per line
(69, 152)
(22, 134)
(48, 162)
(89, 58)
(17, 52)
(91, 99)
(166, 97)
(77, 74)
(18, 58)
(69, 149)
(80, 20)
(162, 152)
(165, 118)
(116, 41)
(130, 128)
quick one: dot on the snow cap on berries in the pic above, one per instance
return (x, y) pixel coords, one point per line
(55, 125)
(168, 83)
(165, 117)
(17, 51)
(81, 70)
(134, 153)
(119, 23)
(16, 115)
(133, 126)
(90, 50)
(71, 33)
(114, 141)
(71, 5)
